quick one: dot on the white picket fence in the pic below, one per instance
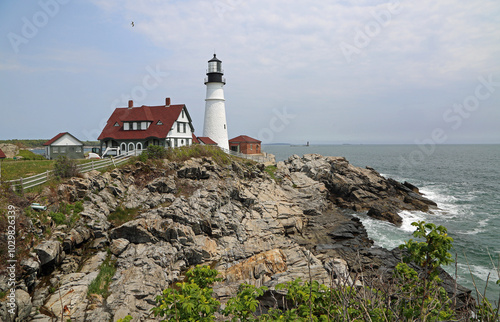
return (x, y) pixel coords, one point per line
(38, 179)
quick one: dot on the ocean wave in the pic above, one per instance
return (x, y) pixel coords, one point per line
(481, 272)
(409, 217)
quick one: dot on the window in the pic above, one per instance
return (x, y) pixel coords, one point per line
(251, 146)
(116, 124)
(181, 127)
(62, 149)
(55, 149)
(144, 125)
(134, 126)
(183, 115)
(159, 123)
(78, 149)
(224, 126)
(126, 126)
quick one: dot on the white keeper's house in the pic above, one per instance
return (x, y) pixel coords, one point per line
(134, 128)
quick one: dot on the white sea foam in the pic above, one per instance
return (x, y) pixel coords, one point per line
(409, 217)
(480, 272)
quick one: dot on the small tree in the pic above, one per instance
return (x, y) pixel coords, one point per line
(421, 296)
(65, 167)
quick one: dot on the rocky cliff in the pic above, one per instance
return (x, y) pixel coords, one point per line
(253, 224)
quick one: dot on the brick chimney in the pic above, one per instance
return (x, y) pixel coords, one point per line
(167, 102)
(130, 103)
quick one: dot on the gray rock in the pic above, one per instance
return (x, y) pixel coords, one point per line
(50, 254)
(118, 246)
(23, 302)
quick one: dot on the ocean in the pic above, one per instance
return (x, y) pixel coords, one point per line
(464, 180)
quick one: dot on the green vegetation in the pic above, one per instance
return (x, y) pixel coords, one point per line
(28, 155)
(36, 143)
(271, 170)
(65, 167)
(68, 214)
(411, 297)
(122, 215)
(100, 284)
(24, 144)
(12, 170)
(185, 153)
(193, 300)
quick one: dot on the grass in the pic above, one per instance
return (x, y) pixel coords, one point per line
(271, 170)
(15, 169)
(198, 151)
(101, 283)
(121, 215)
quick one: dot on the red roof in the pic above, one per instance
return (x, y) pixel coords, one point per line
(55, 138)
(195, 139)
(244, 138)
(2, 155)
(206, 140)
(162, 119)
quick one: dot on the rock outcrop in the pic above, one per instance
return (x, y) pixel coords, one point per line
(10, 150)
(236, 218)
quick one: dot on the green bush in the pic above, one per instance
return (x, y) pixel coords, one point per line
(153, 152)
(58, 217)
(191, 301)
(412, 297)
(65, 167)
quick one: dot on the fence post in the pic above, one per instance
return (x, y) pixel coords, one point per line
(21, 182)
(113, 161)
(92, 164)
(47, 175)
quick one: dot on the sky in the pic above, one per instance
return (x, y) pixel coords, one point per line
(328, 72)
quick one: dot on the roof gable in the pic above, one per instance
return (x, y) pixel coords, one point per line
(2, 155)
(162, 119)
(63, 138)
(206, 140)
(244, 138)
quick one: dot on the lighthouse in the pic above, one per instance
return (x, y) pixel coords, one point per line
(215, 126)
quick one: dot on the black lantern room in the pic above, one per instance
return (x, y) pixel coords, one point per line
(215, 71)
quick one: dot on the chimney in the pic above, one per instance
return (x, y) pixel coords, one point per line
(167, 102)
(130, 103)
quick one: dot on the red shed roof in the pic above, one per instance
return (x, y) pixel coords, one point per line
(2, 155)
(206, 140)
(55, 138)
(244, 138)
(162, 119)
(195, 139)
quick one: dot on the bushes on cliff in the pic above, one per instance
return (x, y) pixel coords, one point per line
(154, 152)
(412, 297)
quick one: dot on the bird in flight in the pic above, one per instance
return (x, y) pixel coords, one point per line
(132, 23)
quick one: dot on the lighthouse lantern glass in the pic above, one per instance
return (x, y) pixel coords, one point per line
(214, 67)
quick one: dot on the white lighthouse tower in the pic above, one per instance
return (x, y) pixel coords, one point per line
(215, 126)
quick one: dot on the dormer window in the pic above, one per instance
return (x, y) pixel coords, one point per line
(159, 123)
(117, 124)
(136, 126)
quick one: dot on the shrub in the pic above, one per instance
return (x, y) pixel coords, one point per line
(153, 152)
(65, 167)
(58, 217)
(192, 300)
(413, 297)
